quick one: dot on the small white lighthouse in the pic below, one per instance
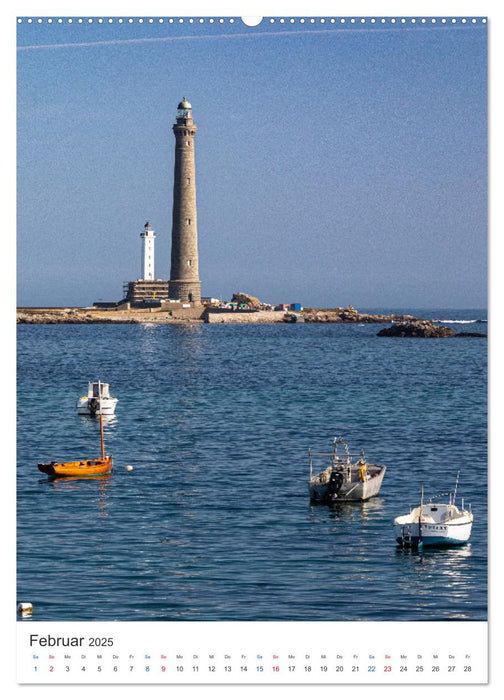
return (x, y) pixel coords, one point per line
(146, 287)
(148, 235)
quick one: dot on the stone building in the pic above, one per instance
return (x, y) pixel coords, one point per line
(184, 274)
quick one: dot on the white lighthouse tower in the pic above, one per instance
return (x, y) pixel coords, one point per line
(148, 235)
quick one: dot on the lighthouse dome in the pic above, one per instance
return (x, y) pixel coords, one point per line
(185, 104)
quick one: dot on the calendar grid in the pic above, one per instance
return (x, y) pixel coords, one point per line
(253, 653)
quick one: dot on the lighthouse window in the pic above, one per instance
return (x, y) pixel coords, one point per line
(188, 222)
(188, 180)
(188, 143)
(189, 263)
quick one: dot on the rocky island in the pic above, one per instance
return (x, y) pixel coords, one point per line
(424, 329)
(242, 312)
(244, 308)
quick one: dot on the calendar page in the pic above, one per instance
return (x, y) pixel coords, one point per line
(251, 348)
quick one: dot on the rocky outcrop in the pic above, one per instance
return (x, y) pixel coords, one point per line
(83, 315)
(48, 317)
(291, 317)
(417, 329)
(247, 300)
(349, 314)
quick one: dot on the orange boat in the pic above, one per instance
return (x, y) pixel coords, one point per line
(82, 467)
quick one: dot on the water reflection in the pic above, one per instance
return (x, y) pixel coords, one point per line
(434, 574)
(452, 554)
(188, 329)
(366, 509)
(80, 485)
(148, 337)
(90, 422)
(188, 346)
(348, 510)
(64, 479)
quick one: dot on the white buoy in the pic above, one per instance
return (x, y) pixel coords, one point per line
(25, 608)
(129, 468)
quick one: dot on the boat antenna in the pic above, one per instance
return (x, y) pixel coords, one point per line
(420, 543)
(456, 487)
(335, 450)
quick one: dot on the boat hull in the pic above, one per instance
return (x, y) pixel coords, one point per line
(106, 407)
(83, 467)
(354, 490)
(433, 534)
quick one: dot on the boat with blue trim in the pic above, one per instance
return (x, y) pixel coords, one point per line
(435, 524)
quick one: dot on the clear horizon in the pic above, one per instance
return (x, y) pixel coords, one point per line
(335, 165)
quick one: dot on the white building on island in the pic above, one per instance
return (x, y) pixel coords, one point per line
(148, 235)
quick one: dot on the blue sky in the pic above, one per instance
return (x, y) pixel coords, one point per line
(336, 164)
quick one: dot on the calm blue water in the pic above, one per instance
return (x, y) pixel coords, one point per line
(214, 522)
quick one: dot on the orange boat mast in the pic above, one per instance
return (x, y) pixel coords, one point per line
(101, 422)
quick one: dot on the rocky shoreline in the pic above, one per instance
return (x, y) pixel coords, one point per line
(403, 325)
(73, 315)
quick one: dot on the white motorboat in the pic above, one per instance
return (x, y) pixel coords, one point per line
(344, 480)
(98, 401)
(435, 524)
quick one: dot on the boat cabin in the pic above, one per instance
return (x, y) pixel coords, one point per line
(436, 513)
(95, 388)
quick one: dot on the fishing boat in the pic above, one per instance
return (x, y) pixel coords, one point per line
(81, 467)
(435, 524)
(98, 400)
(344, 479)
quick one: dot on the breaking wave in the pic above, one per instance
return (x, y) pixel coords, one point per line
(451, 320)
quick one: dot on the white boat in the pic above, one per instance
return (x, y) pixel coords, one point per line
(344, 480)
(98, 401)
(435, 524)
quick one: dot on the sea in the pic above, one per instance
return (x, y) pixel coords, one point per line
(214, 521)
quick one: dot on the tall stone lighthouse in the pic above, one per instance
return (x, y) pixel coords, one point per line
(184, 274)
